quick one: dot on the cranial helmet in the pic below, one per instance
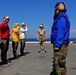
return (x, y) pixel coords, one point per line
(61, 6)
(41, 25)
(5, 18)
(16, 24)
(22, 24)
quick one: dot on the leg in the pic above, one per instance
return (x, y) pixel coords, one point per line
(42, 47)
(57, 68)
(40, 44)
(62, 60)
(15, 46)
(22, 42)
(4, 49)
(56, 65)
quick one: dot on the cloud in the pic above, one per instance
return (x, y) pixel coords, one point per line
(73, 31)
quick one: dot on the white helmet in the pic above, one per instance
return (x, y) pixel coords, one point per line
(41, 25)
(6, 18)
(22, 24)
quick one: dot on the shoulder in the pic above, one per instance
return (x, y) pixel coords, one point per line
(20, 28)
(62, 19)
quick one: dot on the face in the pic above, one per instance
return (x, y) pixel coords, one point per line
(15, 25)
(6, 20)
(23, 26)
(59, 9)
(41, 28)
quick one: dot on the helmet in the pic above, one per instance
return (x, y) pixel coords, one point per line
(61, 6)
(22, 24)
(5, 18)
(41, 25)
(16, 24)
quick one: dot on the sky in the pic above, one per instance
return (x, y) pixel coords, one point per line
(36, 12)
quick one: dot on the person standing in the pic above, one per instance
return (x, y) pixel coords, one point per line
(15, 39)
(22, 36)
(41, 36)
(60, 38)
(4, 34)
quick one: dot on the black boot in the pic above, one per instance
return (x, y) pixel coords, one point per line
(15, 57)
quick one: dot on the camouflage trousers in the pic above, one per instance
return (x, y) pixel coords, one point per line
(42, 47)
(60, 60)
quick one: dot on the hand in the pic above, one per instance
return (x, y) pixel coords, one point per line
(56, 48)
(43, 39)
(7, 20)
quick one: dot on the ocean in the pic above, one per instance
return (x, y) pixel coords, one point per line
(32, 40)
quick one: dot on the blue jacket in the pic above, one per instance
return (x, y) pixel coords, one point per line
(60, 30)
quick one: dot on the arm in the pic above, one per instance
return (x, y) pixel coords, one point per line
(26, 28)
(3, 23)
(37, 36)
(23, 29)
(45, 33)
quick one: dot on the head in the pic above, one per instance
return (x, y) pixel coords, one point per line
(16, 24)
(60, 7)
(23, 25)
(41, 26)
(6, 18)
